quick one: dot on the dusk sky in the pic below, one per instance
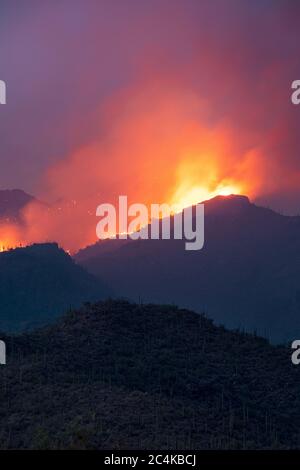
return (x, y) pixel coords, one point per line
(162, 100)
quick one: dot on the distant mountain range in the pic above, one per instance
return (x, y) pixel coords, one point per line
(39, 282)
(116, 375)
(12, 202)
(247, 275)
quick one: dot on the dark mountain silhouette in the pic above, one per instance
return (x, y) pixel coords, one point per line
(39, 282)
(247, 275)
(116, 375)
(12, 202)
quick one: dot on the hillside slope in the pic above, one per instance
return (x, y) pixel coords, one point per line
(116, 375)
(39, 282)
(247, 275)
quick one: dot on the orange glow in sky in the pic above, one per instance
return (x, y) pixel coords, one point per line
(189, 197)
(156, 150)
(10, 237)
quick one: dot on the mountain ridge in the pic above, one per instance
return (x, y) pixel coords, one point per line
(247, 274)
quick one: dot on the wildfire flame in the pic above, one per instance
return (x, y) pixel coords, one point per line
(10, 237)
(185, 198)
(5, 246)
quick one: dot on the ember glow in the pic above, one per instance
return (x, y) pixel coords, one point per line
(10, 237)
(199, 194)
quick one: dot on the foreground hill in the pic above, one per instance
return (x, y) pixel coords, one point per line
(116, 375)
(39, 282)
(247, 275)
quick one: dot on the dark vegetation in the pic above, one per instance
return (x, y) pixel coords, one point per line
(116, 375)
(39, 282)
